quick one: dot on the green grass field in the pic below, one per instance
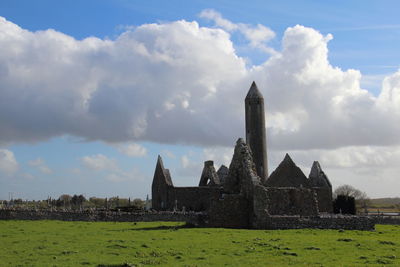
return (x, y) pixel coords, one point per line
(58, 243)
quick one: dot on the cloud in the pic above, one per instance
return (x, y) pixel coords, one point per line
(8, 163)
(99, 162)
(132, 150)
(109, 170)
(185, 162)
(168, 154)
(220, 155)
(257, 36)
(122, 176)
(180, 83)
(40, 165)
(219, 21)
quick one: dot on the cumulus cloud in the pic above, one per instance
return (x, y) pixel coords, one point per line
(40, 165)
(99, 162)
(123, 176)
(132, 150)
(108, 169)
(220, 155)
(168, 154)
(258, 35)
(8, 163)
(178, 82)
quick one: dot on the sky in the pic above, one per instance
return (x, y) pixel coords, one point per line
(92, 91)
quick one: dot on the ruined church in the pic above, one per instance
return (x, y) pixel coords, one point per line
(245, 195)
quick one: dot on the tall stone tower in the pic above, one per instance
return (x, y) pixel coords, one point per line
(255, 130)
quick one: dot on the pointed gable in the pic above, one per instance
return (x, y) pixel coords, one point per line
(161, 175)
(222, 173)
(209, 176)
(287, 174)
(317, 176)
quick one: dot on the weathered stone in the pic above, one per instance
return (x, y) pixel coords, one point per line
(243, 196)
(323, 188)
(242, 171)
(255, 130)
(222, 173)
(317, 177)
(209, 176)
(287, 175)
(162, 182)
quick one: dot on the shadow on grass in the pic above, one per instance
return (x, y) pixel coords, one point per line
(162, 227)
(165, 227)
(117, 265)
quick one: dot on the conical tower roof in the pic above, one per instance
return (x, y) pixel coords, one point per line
(254, 92)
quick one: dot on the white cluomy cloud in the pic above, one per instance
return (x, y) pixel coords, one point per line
(99, 162)
(8, 163)
(109, 169)
(148, 85)
(132, 149)
(168, 154)
(258, 36)
(179, 83)
(220, 155)
(40, 165)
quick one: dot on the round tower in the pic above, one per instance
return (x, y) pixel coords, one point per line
(255, 130)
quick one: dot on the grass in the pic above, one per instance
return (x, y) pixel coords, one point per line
(58, 243)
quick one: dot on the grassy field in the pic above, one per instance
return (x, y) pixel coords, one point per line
(57, 243)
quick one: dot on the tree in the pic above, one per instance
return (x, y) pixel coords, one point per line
(64, 200)
(77, 201)
(361, 198)
(138, 203)
(344, 204)
(349, 191)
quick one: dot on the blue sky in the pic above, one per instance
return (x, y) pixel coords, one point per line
(87, 106)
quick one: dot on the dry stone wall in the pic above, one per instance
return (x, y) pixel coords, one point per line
(237, 219)
(192, 198)
(324, 197)
(229, 211)
(105, 216)
(291, 201)
(335, 222)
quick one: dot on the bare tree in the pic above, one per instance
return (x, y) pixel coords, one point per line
(361, 197)
(348, 190)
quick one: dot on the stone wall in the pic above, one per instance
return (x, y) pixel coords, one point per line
(332, 222)
(192, 198)
(234, 219)
(394, 220)
(106, 216)
(324, 197)
(291, 201)
(229, 211)
(162, 184)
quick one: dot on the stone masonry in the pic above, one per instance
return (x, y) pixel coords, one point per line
(244, 196)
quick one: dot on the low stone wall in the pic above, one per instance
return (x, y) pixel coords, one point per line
(395, 220)
(203, 220)
(331, 222)
(105, 216)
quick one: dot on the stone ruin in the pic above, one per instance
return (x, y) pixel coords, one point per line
(243, 195)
